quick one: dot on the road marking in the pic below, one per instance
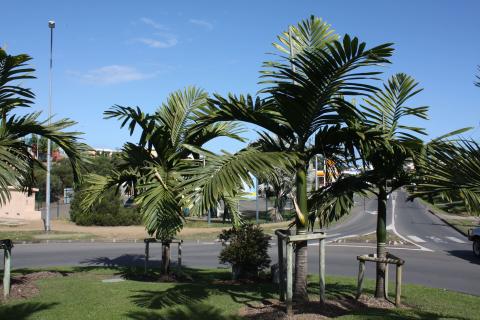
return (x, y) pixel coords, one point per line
(455, 240)
(332, 235)
(372, 212)
(373, 247)
(416, 239)
(392, 227)
(436, 239)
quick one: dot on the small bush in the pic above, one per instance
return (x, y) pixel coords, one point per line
(109, 212)
(247, 250)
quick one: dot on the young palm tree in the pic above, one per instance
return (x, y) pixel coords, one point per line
(304, 101)
(152, 169)
(16, 159)
(385, 111)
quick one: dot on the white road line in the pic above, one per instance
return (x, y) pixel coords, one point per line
(416, 239)
(372, 247)
(372, 212)
(392, 227)
(455, 240)
(436, 239)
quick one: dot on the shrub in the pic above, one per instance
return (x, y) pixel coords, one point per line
(109, 212)
(247, 250)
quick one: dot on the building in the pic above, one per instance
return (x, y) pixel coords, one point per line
(20, 206)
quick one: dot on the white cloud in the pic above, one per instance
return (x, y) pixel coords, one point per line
(112, 74)
(167, 41)
(160, 39)
(201, 23)
(153, 24)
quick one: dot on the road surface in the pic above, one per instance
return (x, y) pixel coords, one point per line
(438, 257)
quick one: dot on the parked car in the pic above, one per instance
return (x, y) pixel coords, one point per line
(474, 235)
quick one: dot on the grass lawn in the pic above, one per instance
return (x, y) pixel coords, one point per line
(82, 295)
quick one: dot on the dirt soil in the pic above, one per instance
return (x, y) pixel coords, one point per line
(24, 286)
(273, 309)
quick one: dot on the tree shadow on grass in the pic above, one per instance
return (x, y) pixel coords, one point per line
(197, 311)
(205, 284)
(22, 311)
(128, 266)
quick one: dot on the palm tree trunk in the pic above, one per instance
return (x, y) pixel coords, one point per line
(381, 240)
(301, 252)
(165, 265)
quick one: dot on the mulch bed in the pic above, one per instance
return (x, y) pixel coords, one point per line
(273, 309)
(24, 286)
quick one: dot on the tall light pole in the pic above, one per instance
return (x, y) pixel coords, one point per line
(51, 25)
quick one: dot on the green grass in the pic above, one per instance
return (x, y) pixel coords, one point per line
(41, 235)
(82, 295)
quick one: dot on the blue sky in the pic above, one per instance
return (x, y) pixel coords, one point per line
(136, 52)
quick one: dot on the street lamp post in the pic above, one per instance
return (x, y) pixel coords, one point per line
(51, 25)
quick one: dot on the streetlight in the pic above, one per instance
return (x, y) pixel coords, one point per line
(51, 25)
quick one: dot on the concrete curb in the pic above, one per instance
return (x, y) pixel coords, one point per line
(99, 241)
(448, 223)
(428, 208)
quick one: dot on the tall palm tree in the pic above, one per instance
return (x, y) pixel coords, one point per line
(151, 169)
(16, 159)
(302, 102)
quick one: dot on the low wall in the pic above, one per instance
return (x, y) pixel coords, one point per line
(20, 206)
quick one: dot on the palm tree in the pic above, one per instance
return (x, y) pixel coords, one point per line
(304, 101)
(151, 169)
(384, 111)
(16, 160)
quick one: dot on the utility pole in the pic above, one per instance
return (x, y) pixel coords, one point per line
(51, 25)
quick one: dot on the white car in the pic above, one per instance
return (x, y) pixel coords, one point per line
(474, 235)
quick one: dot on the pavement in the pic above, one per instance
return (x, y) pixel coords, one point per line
(438, 256)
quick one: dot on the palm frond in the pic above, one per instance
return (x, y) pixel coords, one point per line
(452, 172)
(319, 81)
(21, 126)
(224, 175)
(331, 202)
(14, 68)
(387, 108)
(308, 35)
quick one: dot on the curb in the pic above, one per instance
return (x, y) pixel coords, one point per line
(448, 223)
(96, 241)
(426, 207)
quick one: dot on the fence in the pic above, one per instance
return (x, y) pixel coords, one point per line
(58, 210)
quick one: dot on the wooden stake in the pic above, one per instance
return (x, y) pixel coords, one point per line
(289, 278)
(398, 285)
(7, 257)
(361, 274)
(322, 269)
(281, 269)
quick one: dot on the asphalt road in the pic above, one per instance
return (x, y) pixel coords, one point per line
(440, 256)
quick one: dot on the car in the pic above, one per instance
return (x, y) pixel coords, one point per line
(474, 235)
